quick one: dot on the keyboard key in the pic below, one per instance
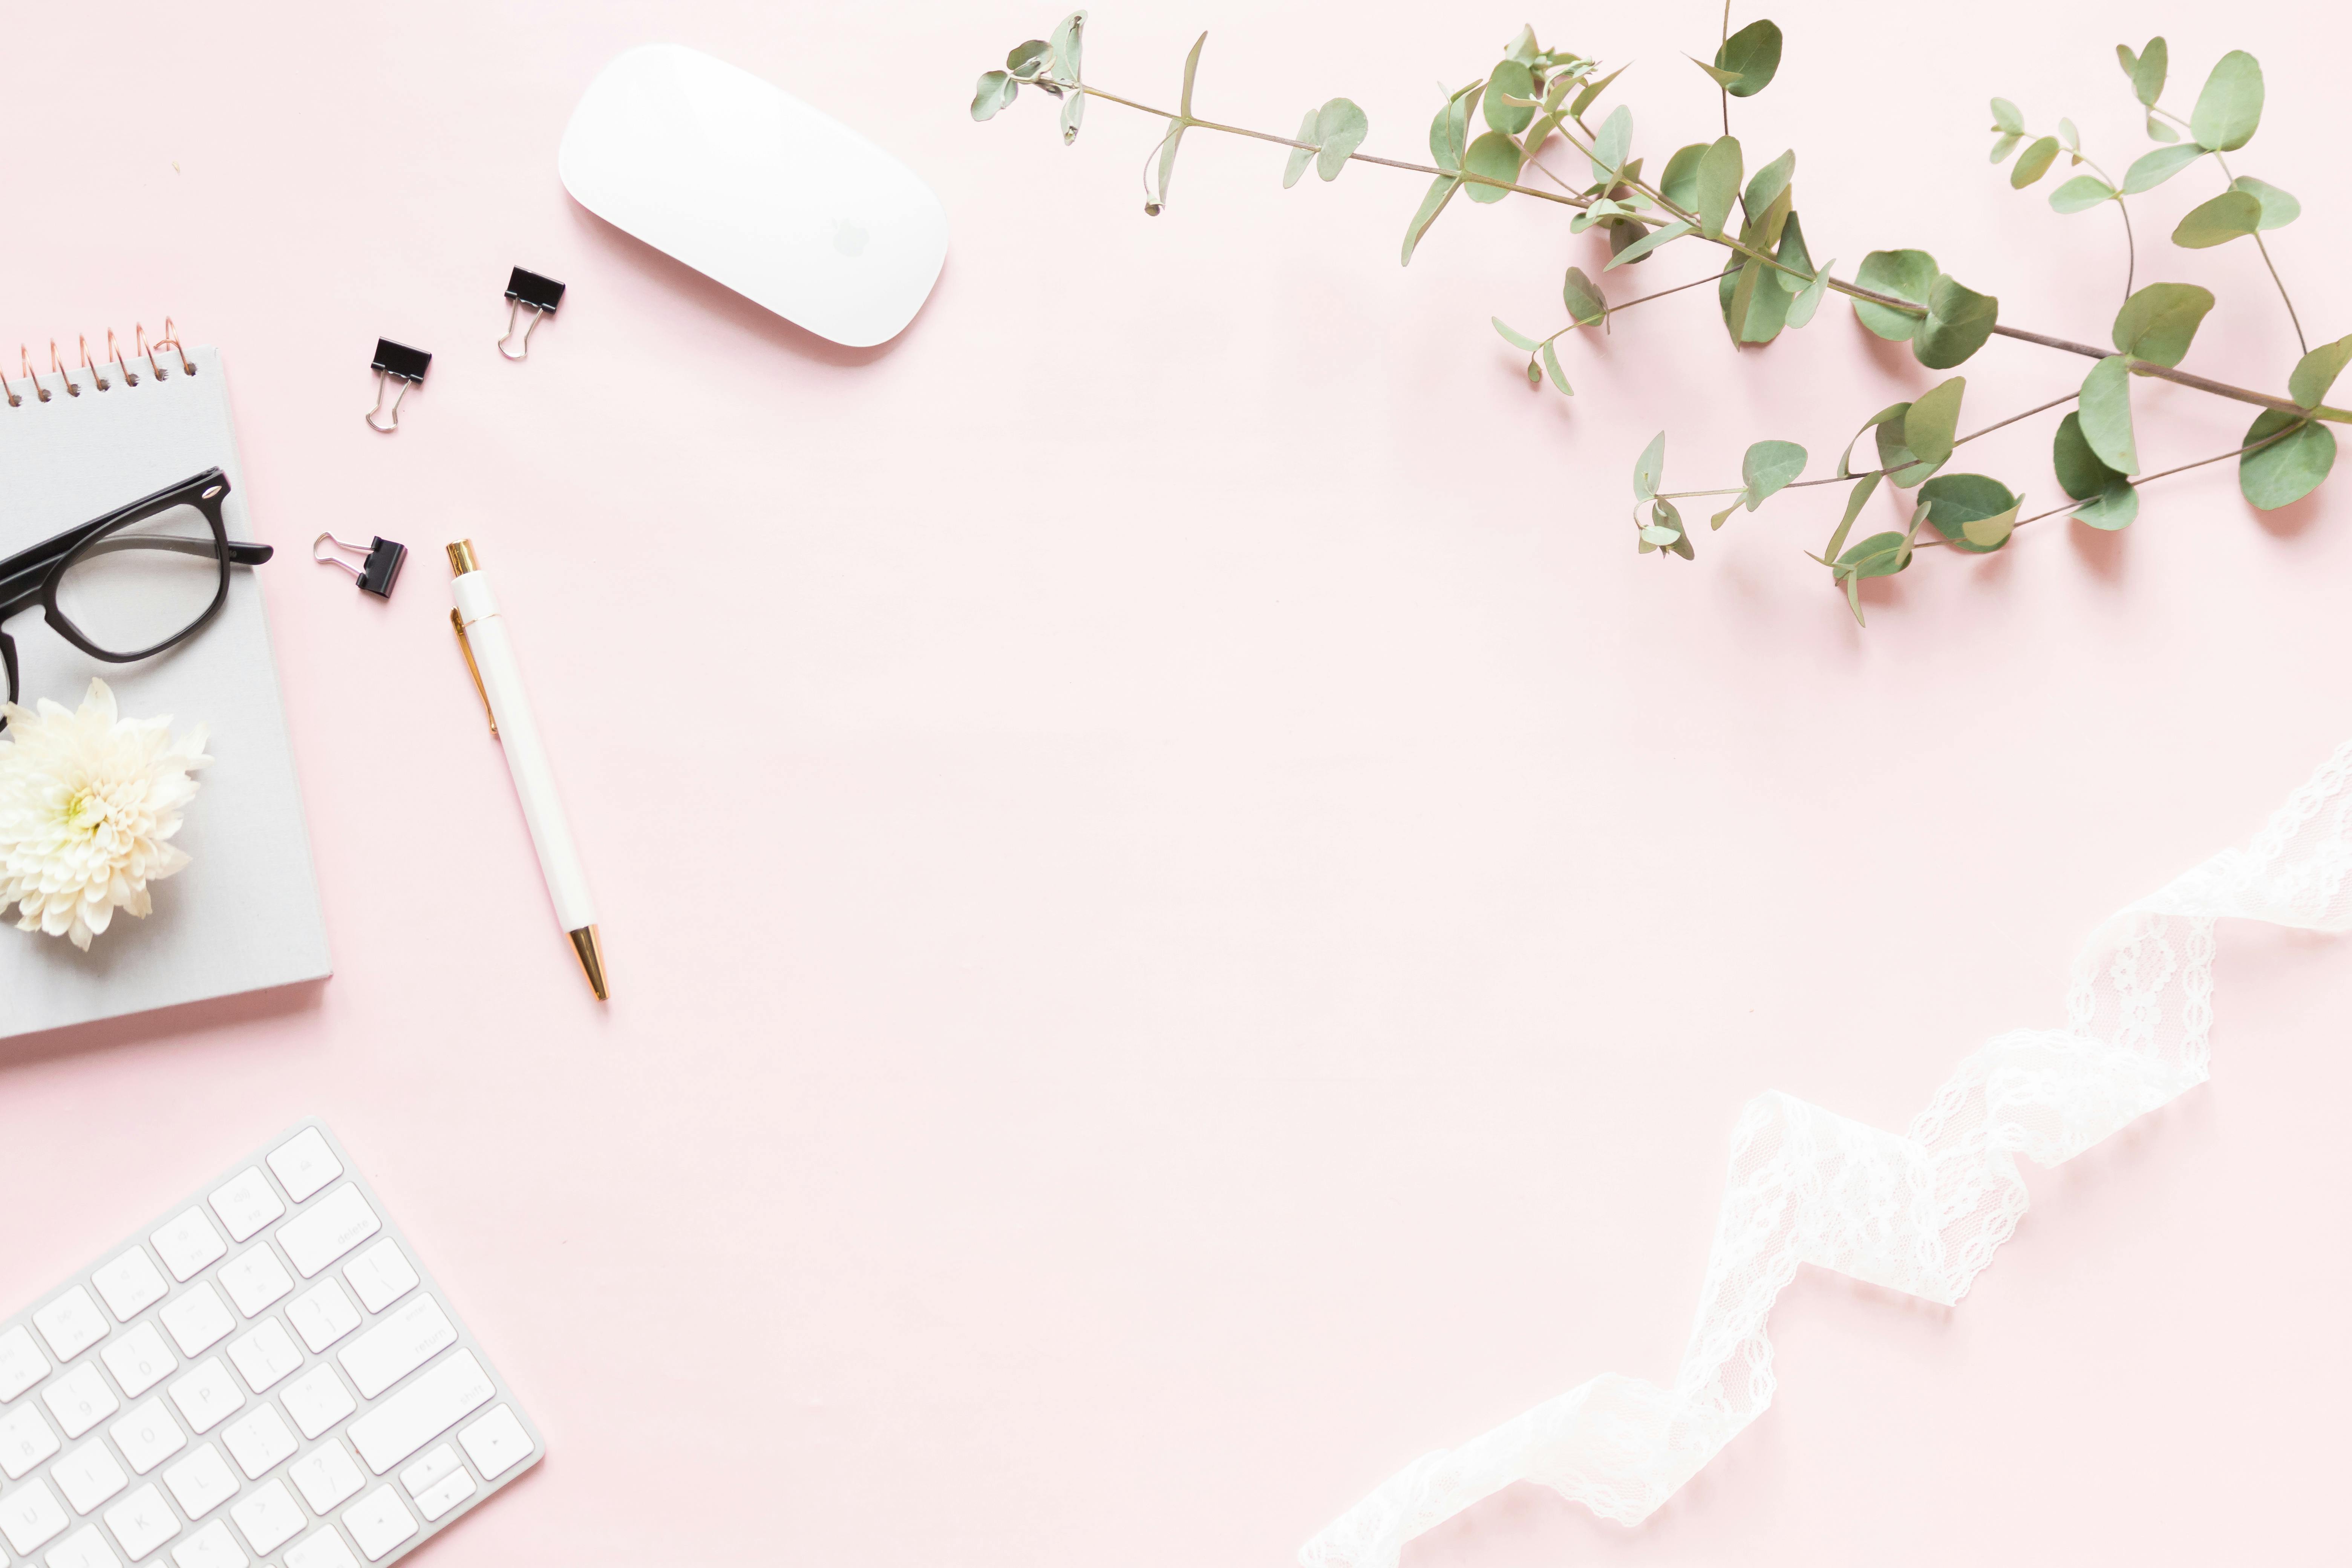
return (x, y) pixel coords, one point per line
(139, 1360)
(72, 1323)
(269, 1517)
(381, 1275)
(319, 1234)
(398, 1346)
(210, 1547)
(323, 1315)
(317, 1400)
(496, 1442)
(326, 1477)
(322, 1548)
(254, 1278)
(130, 1284)
(80, 1399)
(245, 1202)
(141, 1522)
(25, 1440)
(88, 1475)
(31, 1515)
(188, 1244)
(202, 1482)
(443, 1495)
(148, 1437)
(207, 1396)
(85, 1548)
(21, 1365)
(378, 1523)
(305, 1165)
(266, 1356)
(436, 1401)
(259, 1443)
(197, 1318)
(428, 1470)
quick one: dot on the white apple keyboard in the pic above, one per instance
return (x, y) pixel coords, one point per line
(266, 1373)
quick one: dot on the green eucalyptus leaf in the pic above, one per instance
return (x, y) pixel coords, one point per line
(1716, 74)
(1591, 93)
(1974, 512)
(1753, 52)
(2278, 209)
(2081, 473)
(1770, 184)
(1515, 339)
(1719, 519)
(1156, 201)
(1340, 128)
(2150, 170)
(1441, 191)
(1930, 425)
(1679, 183)
(1065, 44)
(2230, 216)
(1862, 491)
(1449, 133)
(1611, 143)
(1301, 157)
(2034, 162)
(1719, 169)
(2113, 508)
(1558, 376)
(2158, 322)
(1074, 109)
(2159, 130)
(2315, 372)
(2106, 411)
(996, 90)
(2004, 145)
(1665, 513)
(2070, 138)
(1880, 555)
(1657, 533)
(2290, 467)
(1650, 467)
(1649, 242)
(1808, 298)
(1740, 302)
(1522, 46)
(1767, 466)
(1535, 376)
(2006, 117)
(2081, 194)
(2146, 70)
(1510, 79)
(1495, 156)
(1958, 321)
(1586, 303)
(2230, 105)
(1906, 275)
(1027, 59)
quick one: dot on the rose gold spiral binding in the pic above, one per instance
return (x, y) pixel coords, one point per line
(91, 366)
(63, 374)
(94, 366)
(172, 338)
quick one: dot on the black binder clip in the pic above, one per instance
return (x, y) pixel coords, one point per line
(529, 291)
(395, 361)
(377, 573)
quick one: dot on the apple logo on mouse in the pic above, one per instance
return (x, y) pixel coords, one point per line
(847, 237)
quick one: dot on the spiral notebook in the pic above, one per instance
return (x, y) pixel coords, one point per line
(244, 915)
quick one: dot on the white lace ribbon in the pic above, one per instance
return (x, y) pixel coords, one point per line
(1921, 1212)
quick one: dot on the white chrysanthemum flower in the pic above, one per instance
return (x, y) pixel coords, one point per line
(88, 803)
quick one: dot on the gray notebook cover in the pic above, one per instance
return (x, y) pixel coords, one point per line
(244, 915)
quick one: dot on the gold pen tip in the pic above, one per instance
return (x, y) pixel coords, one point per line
(462, 559)
(592, 960)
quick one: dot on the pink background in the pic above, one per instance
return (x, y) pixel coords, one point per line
(1187, 919)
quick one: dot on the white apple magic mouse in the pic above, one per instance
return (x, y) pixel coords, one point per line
(741, 180)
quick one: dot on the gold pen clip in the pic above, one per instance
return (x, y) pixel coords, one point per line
(465, 647)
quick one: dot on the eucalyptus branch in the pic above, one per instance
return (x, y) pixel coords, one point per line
(1773, 284)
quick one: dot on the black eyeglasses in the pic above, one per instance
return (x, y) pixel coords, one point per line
(144, 578)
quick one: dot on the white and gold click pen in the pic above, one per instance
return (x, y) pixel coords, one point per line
(490, 654)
